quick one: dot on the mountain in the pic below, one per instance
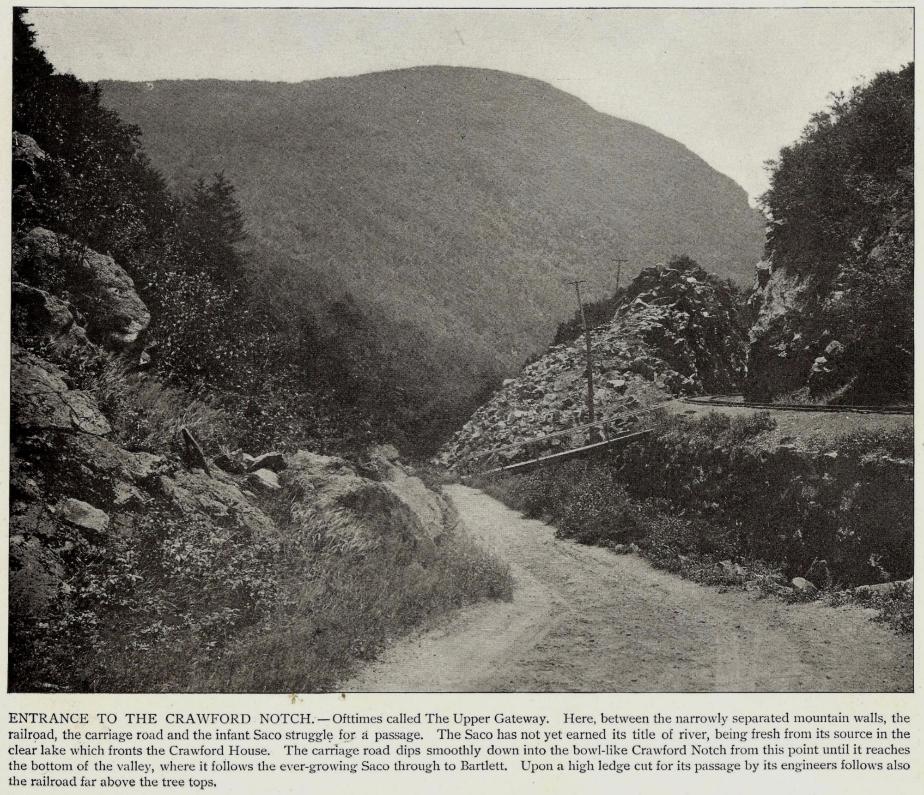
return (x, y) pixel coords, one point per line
(676, 330)
(449, 203)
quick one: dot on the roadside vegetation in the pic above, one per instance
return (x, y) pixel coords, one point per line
(337, 611)
(700, 498)
(195, 608)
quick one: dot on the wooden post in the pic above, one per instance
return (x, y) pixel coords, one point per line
(619, 270)
(590, 362)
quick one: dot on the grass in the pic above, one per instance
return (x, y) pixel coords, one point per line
(804, 397)
(338, 611)
(189, 601)
(147, 414)
(185, 605)
(698, 499)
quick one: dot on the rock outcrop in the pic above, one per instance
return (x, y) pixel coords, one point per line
(833, 305)
(80, 497)
(787, 335)
(41, 399)
(40, 320)
(794, 349)
(94, 284)
(74, 487)
(29, 175)
(676, 332)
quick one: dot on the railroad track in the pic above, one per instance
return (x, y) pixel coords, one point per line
(732, 400)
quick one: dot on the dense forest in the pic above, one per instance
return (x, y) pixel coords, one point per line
(212, 336)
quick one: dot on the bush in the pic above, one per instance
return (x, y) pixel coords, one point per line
(336, 610)
(703, 488)
(149, 608)
(147, 414)
(896, 606)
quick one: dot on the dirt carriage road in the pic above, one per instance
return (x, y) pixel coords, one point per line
(584, 619)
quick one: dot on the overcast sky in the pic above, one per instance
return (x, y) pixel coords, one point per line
(733, 85)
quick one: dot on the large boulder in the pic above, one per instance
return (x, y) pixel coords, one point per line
(93, 283)
(218, 498)
(42, 321)
(83, 515)
(263, 480)
(338, 510)
(804, 586)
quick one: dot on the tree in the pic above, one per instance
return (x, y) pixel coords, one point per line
(841, 213)
(105, 192)
(835, 188)
(212, 229)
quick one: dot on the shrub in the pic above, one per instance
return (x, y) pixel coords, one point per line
(703, 488)
(147, 414)
(147, 609)
(336, 610)
(895, 606)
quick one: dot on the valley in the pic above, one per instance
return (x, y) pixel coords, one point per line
(449, 204)
(277, 345)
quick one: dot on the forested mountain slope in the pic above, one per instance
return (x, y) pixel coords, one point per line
(449, 202)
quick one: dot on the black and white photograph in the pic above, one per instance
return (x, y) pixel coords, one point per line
(418, 350)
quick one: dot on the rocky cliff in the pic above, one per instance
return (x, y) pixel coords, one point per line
(841, 338)
(676, 332)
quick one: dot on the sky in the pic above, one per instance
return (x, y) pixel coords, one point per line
(732, 85)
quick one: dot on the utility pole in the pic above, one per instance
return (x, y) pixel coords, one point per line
(619, 262)
(590, 373)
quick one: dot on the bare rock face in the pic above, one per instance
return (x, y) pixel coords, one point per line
(41, 320)
(83, 515)
(676, 332)
(93, 283)
(783, 342)
(805, 338)
(42, 400)
(220, 499)
(338, 510)
(36, 575)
